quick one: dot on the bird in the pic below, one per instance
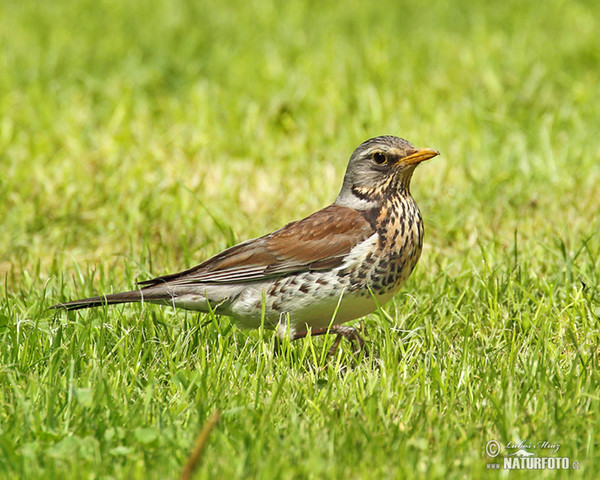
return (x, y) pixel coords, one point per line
(315, 274)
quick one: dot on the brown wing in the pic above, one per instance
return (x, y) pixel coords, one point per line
(318, 242)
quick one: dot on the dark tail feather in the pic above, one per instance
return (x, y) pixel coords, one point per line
(110, 299)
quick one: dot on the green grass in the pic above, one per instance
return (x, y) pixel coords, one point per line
(138, 138)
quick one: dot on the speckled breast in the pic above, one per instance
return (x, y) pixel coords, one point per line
(400, 229)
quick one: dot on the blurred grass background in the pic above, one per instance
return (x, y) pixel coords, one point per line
(138, 138)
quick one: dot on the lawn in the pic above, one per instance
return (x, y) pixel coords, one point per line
(139, 138)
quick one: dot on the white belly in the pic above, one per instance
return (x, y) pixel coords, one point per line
(318, 308)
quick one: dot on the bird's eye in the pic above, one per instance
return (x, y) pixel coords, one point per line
(379, 158)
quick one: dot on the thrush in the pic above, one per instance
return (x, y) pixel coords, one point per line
(314, 274)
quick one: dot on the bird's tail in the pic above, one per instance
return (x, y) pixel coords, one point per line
(111, 299)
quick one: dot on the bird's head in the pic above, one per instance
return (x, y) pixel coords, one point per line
(379, 167)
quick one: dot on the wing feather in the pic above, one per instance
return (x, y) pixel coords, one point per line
(318, 242)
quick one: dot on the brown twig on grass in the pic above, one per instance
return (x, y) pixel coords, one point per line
(199, 446)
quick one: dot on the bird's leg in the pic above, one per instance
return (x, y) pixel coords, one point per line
(342, 331)
(336, 344)
(351, 334)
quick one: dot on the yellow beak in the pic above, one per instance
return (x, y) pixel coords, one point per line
(420, 155)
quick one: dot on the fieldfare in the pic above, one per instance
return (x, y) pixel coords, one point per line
(317, 273)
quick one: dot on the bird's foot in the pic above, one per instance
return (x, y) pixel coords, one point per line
(342, 332)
